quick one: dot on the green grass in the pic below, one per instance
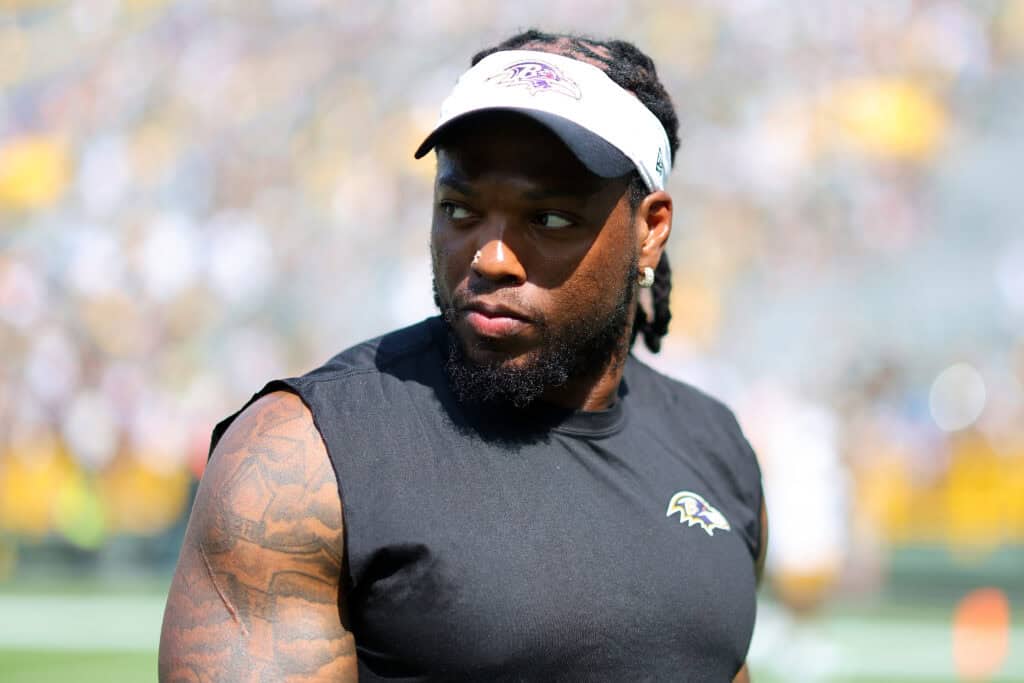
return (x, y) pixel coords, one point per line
(109, 634)
(47, 666)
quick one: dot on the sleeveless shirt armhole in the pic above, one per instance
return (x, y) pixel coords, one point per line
(720, 429)
(756, 483)
(744, 470)
(292, 386)
(221, 427)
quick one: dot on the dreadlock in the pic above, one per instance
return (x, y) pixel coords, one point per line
(634, 71)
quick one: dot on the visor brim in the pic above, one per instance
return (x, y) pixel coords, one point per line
(599, 156)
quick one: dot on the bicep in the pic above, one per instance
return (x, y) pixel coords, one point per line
(256, 594)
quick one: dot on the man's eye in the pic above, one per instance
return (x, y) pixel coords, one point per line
(553, 221)
(455, 211)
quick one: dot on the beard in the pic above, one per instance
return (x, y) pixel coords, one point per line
(580, 348)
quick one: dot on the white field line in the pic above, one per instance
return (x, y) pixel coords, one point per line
(896, 650)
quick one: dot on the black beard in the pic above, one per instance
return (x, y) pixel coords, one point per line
(582, 348)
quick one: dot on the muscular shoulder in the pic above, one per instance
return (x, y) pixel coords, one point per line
(270, 480)
(257, 590)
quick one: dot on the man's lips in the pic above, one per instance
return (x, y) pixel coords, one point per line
(494, 320)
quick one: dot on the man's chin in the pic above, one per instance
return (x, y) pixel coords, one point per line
(495, 356)
(519, 368)
(498, 359)
(486, 374)
(484, 351)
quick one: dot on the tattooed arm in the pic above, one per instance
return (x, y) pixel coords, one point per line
(257, 595)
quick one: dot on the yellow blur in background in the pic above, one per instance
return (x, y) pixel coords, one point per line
(196, 198)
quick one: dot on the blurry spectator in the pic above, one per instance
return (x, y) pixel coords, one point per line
(846, 199)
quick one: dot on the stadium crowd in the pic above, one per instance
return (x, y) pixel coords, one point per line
(196, 197)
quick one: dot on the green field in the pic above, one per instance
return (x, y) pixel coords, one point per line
(42, 666)
(47, 666)
(108, 634)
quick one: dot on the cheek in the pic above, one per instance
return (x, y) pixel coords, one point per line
(446, 248)
(587, 292)
(597, 283)
(553, 265)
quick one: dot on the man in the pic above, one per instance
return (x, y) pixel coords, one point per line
(482, 496)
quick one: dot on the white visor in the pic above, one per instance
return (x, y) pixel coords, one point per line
(604, 125)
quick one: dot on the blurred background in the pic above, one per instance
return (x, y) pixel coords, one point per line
(196, 197)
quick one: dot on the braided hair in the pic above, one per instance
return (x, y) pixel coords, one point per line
(634, 71)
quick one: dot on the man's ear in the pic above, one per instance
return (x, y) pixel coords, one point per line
(654, 223)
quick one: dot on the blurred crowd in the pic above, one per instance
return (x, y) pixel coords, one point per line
(197, 197)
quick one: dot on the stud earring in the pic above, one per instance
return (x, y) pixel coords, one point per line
(647, 278)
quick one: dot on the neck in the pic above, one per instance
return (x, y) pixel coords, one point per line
(596, 390)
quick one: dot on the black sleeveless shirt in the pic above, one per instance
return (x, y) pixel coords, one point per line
(546, 546)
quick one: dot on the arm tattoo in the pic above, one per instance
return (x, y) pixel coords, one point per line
(256, 596)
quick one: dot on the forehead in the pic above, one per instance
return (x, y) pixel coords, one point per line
(506, 143)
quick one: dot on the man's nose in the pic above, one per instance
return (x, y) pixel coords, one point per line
(496, 260)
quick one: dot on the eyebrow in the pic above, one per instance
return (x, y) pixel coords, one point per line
(458, 184)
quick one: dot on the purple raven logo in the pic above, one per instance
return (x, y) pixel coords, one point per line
(537, 77)
(694, 509)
